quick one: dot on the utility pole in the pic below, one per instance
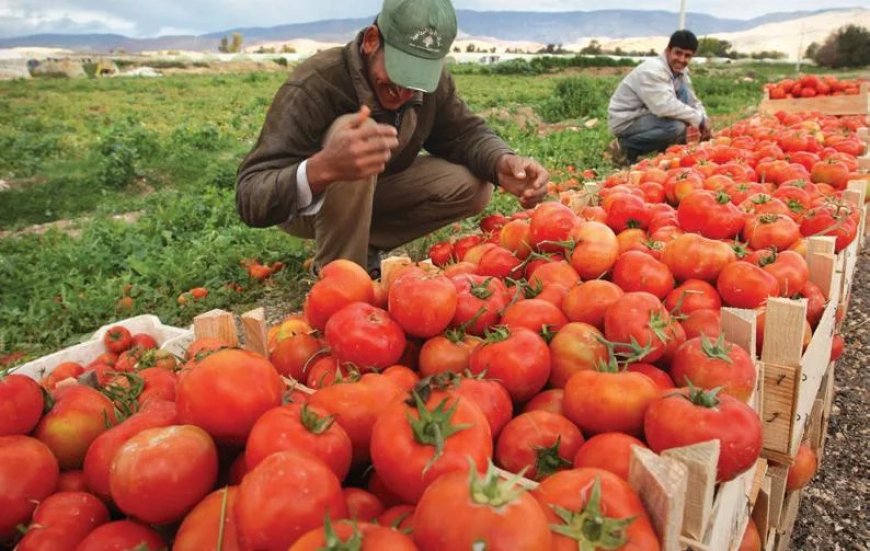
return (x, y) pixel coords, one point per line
(682, 24)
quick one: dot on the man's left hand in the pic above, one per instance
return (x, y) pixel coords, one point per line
(524, 178)
(706, 131)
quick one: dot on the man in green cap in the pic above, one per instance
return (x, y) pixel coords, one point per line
(338, 159)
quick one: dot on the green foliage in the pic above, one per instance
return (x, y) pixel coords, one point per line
(849, 46)
(578, 97)
(119, 151)
(713, 47)
(538, 65)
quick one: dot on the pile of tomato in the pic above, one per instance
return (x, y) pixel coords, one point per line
(810, 86)
(390, 414)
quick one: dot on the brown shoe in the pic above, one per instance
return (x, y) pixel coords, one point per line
(617, 154)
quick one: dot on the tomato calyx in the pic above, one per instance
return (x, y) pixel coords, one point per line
(547, 332)
(433, 427)
(481, 290)
(722, 198)
(589, 527)
(703, 398)
(548, 460)
(332, 542)
(124, 395)
(489, 489)
(716, 350)
(658, 324)
(677, 310)
(313, 423)
(761, 198)
(618, 361)
(496, 333)
(795, 206)
(741, 249)
(768, 218)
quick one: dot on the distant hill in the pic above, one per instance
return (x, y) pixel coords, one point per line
(545, 27)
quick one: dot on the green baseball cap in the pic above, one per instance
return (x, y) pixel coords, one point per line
(417, 37)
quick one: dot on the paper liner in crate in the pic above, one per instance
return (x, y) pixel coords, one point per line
(172, 339)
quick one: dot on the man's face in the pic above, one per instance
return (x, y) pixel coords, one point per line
(391, 96)
(679, 58)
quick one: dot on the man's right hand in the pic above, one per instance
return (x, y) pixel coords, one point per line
(357, 147)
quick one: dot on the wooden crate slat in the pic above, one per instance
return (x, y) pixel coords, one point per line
(218, 324)
(731, 510)
(738, 326)
(784, 331)
(778, 475)
(700, 461)
(254, 328)
(781, 384)
(790, 511)
(661, 484)
(761, 510)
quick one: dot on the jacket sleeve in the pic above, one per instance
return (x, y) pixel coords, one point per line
(266, 182)
(694, 102)
(461, 137)
(656, 91)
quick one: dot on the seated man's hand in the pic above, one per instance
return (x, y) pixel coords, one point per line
(524, 178)
(706, 130)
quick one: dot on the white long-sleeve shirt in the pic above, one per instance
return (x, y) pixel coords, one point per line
(652, 87)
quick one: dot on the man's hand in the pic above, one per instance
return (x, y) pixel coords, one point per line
(356, 148)
(706, 130)
(524, 178)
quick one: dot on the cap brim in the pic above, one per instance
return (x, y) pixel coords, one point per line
(412, 72)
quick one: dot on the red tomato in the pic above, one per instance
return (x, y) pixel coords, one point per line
(362, 505)
(550, 226)
(538, 444)
(64, 370)
(144, 341)
(446, 353)
(292, 351)
(534, 314)
(595, 249)
(519, 359)
(548, 400)
(480, 301)
(514, 236)
(117, 339)
(691, 256)
(363, 536)
(366, 336)
(588, 301)
(122, 535)
(75, 514)
(803, 469)
(702, 322)
(837, 347)
(441, 253)
(636, 271)
(713, 215)
(822, 221)
(610, 451)
(342, 282)
(768, 231)
(638, 317)
(490, 396)
(556, 271)
(463, 244)
(28, 473)
(659, 377)
(303, 427)
(576, 347)
(458, 513)
(413, 445)
(691, 295)
(285, 496)
(595, 508)
(21, 404)
(227, 392)
(200, 528)
(751, 538)
(744, 285)
(673, 421)
(146, 468)
(423, 306)
(710, 364)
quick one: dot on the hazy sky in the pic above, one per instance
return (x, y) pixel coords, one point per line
(144, 18)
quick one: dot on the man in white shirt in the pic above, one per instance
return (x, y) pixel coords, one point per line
(654, 105)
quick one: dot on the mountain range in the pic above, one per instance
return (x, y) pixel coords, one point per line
(545, 27)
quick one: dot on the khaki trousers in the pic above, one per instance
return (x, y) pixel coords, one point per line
(385, 212)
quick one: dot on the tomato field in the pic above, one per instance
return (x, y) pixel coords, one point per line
(515, 381)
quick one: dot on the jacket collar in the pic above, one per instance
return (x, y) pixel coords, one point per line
(664, 57)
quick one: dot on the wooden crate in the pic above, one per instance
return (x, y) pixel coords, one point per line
(827, 105)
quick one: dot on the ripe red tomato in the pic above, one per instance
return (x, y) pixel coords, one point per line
(21, 404)
(691, 256)
(595, 249)
(411, 446)
(548, 400)
(362, 505)
(767, 231)
(514, 236)
(572, 499)
(291, 352)
(422, 305)
(693, 416)
(365, 336)
(610, 451)
(745, 285)
(28, 473)
(446, 353)
(64, 370)
(535, 314)
(441, 253)
(518, 358)
(363, 536)
(226, 393)
(709, 364)
(638, 317)
(659, 377)
(456, 512)
(144, 341)
(637, 271)
(64, 519)
(824, 221)
(550, 226)
(603, 401)
(702, 322)
(588, 301)
(490, 396)
(713, 215)
(803, 469)
(200, 528)
(538, 444)
(300, 427)
(576, 347)
(285, 496)
(122, 534)
(117, 339)
(342, 282)
(480, 301)
(691, 295)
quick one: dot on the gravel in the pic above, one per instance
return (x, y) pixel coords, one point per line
(834, 508)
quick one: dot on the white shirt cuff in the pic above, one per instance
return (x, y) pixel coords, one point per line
(307, 205)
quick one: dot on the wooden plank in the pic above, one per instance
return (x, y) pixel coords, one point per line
(390, 266)
(821, 260)
(784, 331)
(863, 135)
(790, 511)
(254, 329)
(753, 486)
(700, 461)
(778, 475)
(731, 510)
(661, 484)
(781, 383)
(738, 326)
(827, 396)
(761, 510)
(218, 324)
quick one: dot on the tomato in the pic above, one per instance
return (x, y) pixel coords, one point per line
(691, 295)
(404, 377)
(490, 396)
(692, 416)
(537, 443)
(550, 226)
(480, 301)
(744, 285)
(63, 370)
(713, 215)
(803, 469)
(768, 231)
(21, 404)
(830, 172)
(79, 415)
(556, 271)
(822, 221)
(762, 203)
(518, 358)
(751, 538)
(98, 459)
(290, 351)
(28, 474)
(202, 347)
(588, 301)
(146, 468)
(456, 512)
(638, 317)
(691, 256)
(361, 536)
(636, 271)
(702, 322)
(300, 427)
(514, 236)
(441, 253)
(626, 211)
(816, 302)
(362, 505)
(837, 347)
(593, 508)
(422, 305)
(788, 267)
(548, 400)
(201, 527)
(342, 282)
(411, 446)
(226, 393)
(681, 182)
(534, 314)
(158, 384)
(662, 380)
(595, 249)
(576, 347)
(285, 496)
(446, 353)
(710, 364)
(122, 535)
(610, 451)
(62, 520)
(399, 517)
(117, 339)
(366, 336)
(72, 481)
(357, 405)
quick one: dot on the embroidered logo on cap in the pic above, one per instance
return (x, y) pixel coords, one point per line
(427, 39)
